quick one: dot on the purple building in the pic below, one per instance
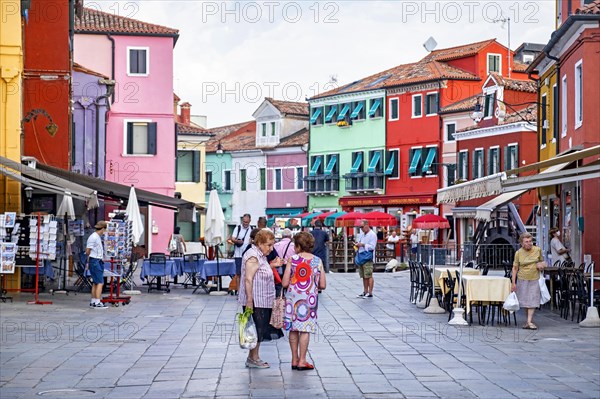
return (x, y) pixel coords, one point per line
(91, 101)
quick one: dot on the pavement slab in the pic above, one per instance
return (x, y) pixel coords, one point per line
(183, 345)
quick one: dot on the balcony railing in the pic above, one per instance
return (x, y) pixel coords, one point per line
(322, 184)
(364, 182)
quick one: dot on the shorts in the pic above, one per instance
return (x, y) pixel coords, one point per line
(238, 266)
(414, 250)
(366, 270)
(97, 270)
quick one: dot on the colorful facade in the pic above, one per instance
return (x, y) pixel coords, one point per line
(11, 91)
(572, 73)
(138, 56)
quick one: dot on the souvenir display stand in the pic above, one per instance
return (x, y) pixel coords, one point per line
(42, 243)
(117, 248)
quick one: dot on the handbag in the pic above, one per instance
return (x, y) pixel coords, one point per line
(363, 257)
(173, 244)
(278, 311)
(544, 293)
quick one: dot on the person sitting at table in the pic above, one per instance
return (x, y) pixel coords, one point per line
(558, 250)
(258, 292)
(525, 275)
(303, 276)
(180, 247)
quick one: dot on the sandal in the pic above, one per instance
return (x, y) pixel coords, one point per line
(307, 366)
(256, 364)
(530, 326)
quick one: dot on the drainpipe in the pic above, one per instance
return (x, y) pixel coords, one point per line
(112, 63)
(110, 85)
(558, 94)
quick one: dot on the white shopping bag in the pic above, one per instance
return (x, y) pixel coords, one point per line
(511, 303)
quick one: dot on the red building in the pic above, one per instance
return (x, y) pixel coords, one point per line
(47, 80)
(414, 126)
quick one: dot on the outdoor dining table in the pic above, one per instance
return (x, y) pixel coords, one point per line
(209, 268)
(441, 273)
(158, 270)
(485, 289)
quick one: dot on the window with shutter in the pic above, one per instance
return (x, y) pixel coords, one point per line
(141, 138)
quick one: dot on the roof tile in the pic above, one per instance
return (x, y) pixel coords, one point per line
(527, 86)
(592, 8)
(98, 21)
(290, 107)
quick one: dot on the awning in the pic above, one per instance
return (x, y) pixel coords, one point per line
(552, 176)
(315, 167)
(376, 104)
(429, 159)
(357, 110)
(357, 163)
(315, 115)
(343, 112)
(283, 211)
(374, 162)
(110, 189)
(390, 167)
(414, 163)
(331, 113)
(484, 212)
(478, 188)
(331, 164)
(48, 181)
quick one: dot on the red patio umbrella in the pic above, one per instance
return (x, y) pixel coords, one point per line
(350, 219)
(377, 218)
(431, 221)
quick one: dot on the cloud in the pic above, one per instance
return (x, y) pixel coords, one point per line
(249, 50)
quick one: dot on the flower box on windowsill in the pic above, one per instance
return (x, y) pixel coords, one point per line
(343, 124)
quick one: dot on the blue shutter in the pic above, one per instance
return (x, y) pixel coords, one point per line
(315, 167)
(331, 113)
(357, 163)
(374, 162)
(316, 114)
(357, 110)
(343, 112)
(429, 160)
(414, 163)
(151, 138)
(376, 104)
(331, 165)
(389, 170)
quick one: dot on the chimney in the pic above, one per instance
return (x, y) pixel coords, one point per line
(185, 113)
(176, 100)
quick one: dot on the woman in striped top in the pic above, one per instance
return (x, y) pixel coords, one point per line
(258, 292)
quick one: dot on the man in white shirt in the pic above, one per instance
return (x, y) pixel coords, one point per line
(240, 240)
(95, 252)
(558, 250)
(366, 241)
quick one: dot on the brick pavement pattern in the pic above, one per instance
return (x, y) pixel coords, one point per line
(179, 345)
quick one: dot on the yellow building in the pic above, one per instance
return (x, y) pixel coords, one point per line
(191, 162)
(11, 72)
(549, 92)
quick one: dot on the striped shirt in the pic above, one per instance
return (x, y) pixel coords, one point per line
(263, 285)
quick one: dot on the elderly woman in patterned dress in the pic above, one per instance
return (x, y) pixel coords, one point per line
(258, 292)
(527, 267)
(303, 277)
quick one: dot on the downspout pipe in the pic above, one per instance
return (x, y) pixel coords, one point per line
(112, 63)
(110, 85)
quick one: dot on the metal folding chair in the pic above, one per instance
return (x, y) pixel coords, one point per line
(158, 260)
(83, 282)
(190, 269)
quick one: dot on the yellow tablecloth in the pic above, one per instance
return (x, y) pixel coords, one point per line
(441, 274)
(486, 289)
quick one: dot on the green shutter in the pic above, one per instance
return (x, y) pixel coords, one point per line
(506, 159)
(196, 166)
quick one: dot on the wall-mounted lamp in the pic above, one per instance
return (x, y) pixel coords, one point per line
(28, 192)
(219, 149)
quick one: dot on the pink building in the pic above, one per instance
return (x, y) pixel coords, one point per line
(139, 57)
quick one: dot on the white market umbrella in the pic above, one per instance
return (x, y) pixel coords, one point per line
(66, 206)
(133, 214)
(214, 232)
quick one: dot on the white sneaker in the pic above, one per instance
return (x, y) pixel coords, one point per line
(100, 305)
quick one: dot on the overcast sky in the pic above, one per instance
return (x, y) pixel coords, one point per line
(230, 55)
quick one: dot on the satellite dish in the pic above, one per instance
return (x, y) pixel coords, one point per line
(430, 44)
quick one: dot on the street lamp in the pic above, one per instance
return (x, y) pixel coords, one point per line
(28, 193)
(219, 149)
